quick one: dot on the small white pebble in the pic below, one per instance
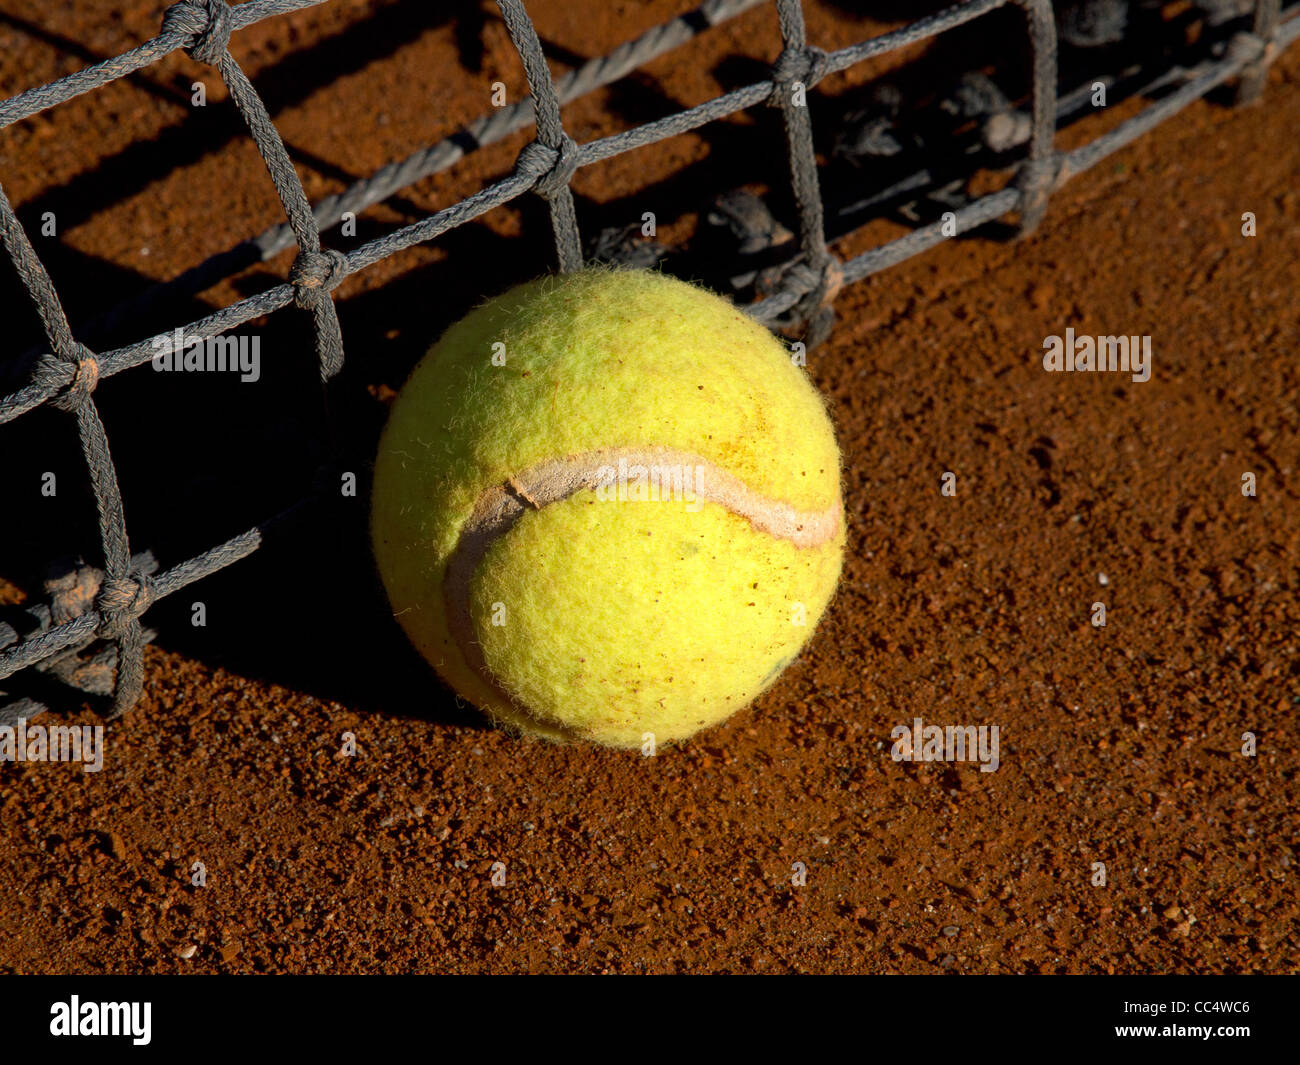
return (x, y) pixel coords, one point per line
(1102, 579)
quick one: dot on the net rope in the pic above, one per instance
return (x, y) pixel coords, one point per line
(101, 607)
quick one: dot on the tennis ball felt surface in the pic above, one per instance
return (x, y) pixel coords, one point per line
(630, 523)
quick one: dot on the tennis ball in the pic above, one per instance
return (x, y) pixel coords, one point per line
(608, 504)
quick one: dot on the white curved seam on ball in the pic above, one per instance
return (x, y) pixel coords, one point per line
(555, 480)
(498, 508)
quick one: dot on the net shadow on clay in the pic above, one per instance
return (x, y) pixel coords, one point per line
(89, 636)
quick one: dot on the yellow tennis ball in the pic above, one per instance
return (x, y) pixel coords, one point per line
(608, 504)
